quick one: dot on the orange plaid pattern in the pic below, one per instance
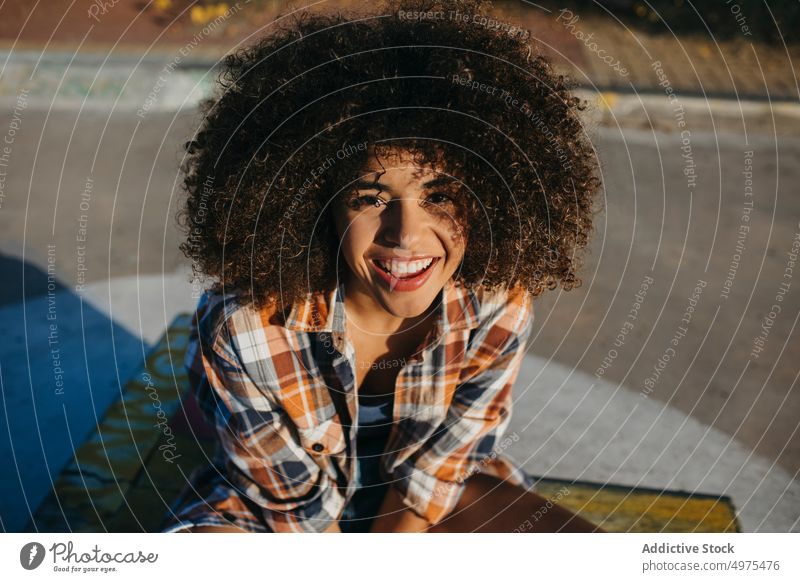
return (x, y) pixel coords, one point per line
(280, 390)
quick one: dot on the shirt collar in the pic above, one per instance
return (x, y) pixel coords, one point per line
(324, 311)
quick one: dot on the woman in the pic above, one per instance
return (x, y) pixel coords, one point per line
(377, 200)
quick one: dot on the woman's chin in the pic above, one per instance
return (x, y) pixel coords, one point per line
(413, 304)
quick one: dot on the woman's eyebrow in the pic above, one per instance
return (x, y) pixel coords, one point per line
(439, 181)
(364, 184)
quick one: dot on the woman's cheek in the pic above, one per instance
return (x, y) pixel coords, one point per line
(357, 238)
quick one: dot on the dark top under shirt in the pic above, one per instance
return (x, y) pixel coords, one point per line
(374, 425)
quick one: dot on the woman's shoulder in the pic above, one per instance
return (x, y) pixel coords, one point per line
(510, 306)
(226, 316)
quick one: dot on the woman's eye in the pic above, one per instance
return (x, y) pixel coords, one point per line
(366, 201)
(438, 198)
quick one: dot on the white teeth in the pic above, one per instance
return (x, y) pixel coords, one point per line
(405, 268)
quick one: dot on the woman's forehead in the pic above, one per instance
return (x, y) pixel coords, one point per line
(394, 159)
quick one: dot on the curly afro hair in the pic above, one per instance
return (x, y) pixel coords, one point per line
(284, 136)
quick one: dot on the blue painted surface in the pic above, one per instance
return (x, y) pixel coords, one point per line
(41, 423)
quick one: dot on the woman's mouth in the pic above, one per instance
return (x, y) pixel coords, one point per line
(404, 275)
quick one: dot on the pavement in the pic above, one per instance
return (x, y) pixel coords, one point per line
(91, 192)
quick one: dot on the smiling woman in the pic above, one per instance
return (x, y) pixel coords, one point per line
(401, 229)
(318, 84)
(368, 312)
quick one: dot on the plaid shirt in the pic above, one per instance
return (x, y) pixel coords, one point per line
(280, 391)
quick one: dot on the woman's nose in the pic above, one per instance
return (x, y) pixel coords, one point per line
(404, 222)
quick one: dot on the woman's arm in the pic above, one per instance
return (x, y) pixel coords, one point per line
(265, 460)
(431, 480)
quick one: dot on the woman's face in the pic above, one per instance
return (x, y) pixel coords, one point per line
(400, 232)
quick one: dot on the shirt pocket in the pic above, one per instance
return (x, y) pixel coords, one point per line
(324, 438)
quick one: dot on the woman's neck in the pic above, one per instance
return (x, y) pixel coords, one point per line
(372, 318)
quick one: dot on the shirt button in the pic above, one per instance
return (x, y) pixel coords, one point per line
(319, 447)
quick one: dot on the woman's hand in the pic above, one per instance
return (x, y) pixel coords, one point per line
(395, 517)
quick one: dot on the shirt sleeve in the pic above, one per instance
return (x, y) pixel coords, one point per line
(264, 457)
(431, 481)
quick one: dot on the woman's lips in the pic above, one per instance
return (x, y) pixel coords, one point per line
(411, 283)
